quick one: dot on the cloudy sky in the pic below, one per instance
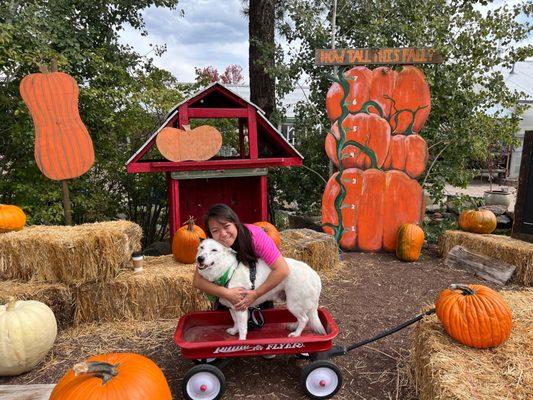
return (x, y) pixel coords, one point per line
(208, 34)
(212, 32)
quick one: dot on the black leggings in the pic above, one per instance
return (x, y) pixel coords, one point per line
(267, 304)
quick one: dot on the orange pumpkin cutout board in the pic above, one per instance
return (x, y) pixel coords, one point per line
(374, 142)
(198, 144)
(63, 147)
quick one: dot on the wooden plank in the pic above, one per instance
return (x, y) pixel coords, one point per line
(25, 392)
(390, 56)
(168, 166)
(485, 267)
(252, 132)
(263, 191)
(173, 205)
(218, 112)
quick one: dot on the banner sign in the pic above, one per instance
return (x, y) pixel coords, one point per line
(398, 55)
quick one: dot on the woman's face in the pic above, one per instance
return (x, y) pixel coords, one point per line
(224, 232)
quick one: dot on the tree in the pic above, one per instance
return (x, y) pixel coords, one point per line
(231, 75)
(123, 98)
(261, 28)
(476, 46)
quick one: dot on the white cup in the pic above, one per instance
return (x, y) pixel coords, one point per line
(137, 263)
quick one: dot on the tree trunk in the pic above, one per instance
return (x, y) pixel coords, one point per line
(261, 34)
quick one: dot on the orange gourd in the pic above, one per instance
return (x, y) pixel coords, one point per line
(407, 153)
(12, 218)
(63, 147)
(271, 231)
(409, 242)
(198, 144)
(366, 129)
(474, 315)
(482, 221)
(118, 376)
(186, 241)
(375, 205)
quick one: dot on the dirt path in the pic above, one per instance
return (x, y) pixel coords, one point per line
(372, 293)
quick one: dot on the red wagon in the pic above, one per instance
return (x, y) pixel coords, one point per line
(202, 338)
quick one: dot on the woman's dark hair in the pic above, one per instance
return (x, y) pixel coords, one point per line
(243, 243)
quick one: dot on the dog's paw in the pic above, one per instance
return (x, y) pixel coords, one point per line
(293, 334)
(291, 326)
(232, 331)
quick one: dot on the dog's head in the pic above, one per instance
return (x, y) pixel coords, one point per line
(213, 259)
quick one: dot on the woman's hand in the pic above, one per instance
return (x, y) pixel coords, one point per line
(235, 295)
(249, 297)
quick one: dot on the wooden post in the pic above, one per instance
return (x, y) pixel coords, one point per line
(65, 194)
(173, 205)
(252, 133)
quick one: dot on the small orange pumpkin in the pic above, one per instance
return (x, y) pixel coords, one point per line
(12, 218)
(474, 315)
(186, 241)
(120, 376)
(482, 221)
(409, 242)
(271, 231)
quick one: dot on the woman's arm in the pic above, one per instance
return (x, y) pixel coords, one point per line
(232, 295)
(280, 270)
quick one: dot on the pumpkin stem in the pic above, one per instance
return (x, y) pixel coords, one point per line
(11, 304)
(190, 223)
(101, 369)
(466, 291)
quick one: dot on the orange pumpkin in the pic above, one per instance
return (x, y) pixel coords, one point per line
(186, 241)
(375, 205)
(271, 231)
(198, 144)
(409, 242)
(368, 130)
(407, 153)
(63, 147)
(12, 218)
(482, 221)
(359, 80)
(119, 376)
(412, 102)
(474, 315)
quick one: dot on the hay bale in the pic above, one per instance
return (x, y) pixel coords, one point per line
(55, 295)
(162, 290)
(317, 249)
(512, 251)
(445, 369)
(68, 254)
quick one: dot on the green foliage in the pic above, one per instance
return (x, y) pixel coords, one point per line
(468, 91)
(123, 98)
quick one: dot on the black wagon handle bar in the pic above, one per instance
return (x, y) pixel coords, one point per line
(338, 351)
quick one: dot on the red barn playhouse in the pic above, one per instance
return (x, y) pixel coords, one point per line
(239, 180)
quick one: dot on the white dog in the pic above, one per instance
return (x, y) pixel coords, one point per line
(301, 288)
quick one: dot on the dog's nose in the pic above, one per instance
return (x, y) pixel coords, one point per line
(200, 259)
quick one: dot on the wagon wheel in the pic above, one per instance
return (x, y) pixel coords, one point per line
(321, 379)
(203, 382)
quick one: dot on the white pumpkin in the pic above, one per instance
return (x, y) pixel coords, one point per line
(28, 330)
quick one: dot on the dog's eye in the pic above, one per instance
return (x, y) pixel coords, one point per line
(214, 250)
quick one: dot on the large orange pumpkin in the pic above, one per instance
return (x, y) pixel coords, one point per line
(375, 205)
(12, 218)
(118, 376)
(359, 80)
(482, 221)
(271, 231)
(63, 147)
(407, 153)
(186, 241)
(370, 131)
(474, 315)
(409, 242)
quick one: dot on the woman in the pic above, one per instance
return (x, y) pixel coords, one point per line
(251, 243)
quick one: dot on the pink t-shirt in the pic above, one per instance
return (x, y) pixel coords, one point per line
(263, 246)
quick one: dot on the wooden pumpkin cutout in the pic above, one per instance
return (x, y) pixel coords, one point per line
(198, 144)
(63, 147)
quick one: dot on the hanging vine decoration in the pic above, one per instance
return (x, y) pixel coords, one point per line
(340, 144)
